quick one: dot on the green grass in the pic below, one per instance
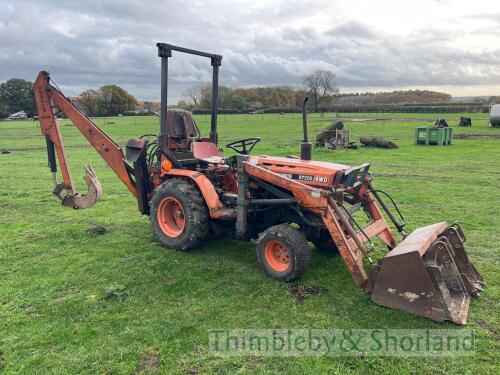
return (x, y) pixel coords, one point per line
(72, 302)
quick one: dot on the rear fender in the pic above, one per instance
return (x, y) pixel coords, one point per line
(204, 185)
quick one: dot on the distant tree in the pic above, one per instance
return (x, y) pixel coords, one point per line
(224, 96)
(321, 85)
(238, 102)
(89, 102)
(241, 98)
(495, 100)
(194, 95)
(182, 104)
(114, 100)
(253, 97)
(394, 97)
(151, 106)
(298, 97)
(17, 95)
(3, 111)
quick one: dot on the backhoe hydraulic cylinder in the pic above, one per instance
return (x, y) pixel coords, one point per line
(51, 153)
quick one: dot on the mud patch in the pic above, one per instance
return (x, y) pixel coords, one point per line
(301, 292)
(149, 361)
(4, 152)
(193, 370)
(62, 295)
(170, 281)
(30, 310)
(475, 136)
(97, 230)
(117, 293)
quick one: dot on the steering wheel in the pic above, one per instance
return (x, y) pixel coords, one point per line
(243, 146)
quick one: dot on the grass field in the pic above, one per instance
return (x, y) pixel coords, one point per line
(75, 302)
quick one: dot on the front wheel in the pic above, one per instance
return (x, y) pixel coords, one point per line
(283, 252)
(179, 215)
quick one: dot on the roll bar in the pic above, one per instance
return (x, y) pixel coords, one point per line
(164, 52)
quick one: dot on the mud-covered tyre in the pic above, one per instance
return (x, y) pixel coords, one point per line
(283, 252)
(179, 215)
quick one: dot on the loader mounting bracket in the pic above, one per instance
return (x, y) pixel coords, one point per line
(135, 152)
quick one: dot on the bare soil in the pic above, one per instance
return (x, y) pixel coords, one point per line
(301, 292)
(149, 361)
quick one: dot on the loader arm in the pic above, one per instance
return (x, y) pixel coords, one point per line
(351, 249)
(49, 101)
(428, 273)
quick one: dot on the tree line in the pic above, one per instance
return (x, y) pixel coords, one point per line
(16, 94)
(320, 86)
(108, 100)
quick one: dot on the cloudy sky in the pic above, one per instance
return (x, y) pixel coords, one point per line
(448, 45)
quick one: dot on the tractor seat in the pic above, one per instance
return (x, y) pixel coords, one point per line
(207, 152)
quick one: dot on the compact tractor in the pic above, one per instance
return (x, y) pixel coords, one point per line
(188, 187)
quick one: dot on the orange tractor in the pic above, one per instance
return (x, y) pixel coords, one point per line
(188, 187)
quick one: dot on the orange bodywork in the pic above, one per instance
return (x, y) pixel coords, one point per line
(276, 171)
(308, 172)
(216, 209)
(48, 98)
(310, 182)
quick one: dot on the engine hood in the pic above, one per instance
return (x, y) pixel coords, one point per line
(309, 172)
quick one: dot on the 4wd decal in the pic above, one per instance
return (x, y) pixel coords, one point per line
(306, 178)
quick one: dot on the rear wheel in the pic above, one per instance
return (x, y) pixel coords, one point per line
(283, 252)
(179, 215)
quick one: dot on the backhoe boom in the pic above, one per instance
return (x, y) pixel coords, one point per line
(50, 101)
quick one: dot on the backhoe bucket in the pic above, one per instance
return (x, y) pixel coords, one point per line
(82, 200)
(428, 274)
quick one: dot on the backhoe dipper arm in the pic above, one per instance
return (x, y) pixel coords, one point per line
(49, 101)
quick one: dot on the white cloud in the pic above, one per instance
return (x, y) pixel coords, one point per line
(381, 44)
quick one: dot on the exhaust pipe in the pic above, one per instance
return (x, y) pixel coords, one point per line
(305, 146)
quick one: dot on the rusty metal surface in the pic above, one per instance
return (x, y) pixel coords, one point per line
(473, 281)
(88, 199)
(428, 274)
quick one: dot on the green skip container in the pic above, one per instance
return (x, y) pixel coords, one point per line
(433, 136)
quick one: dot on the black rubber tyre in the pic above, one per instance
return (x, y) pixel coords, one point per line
(324, 242)
(293, 243)
(195, 218)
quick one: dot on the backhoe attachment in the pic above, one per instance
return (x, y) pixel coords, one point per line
(50, 101)
(77, 200)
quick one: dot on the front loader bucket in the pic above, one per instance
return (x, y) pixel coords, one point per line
(428, 274)
(78, 200)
